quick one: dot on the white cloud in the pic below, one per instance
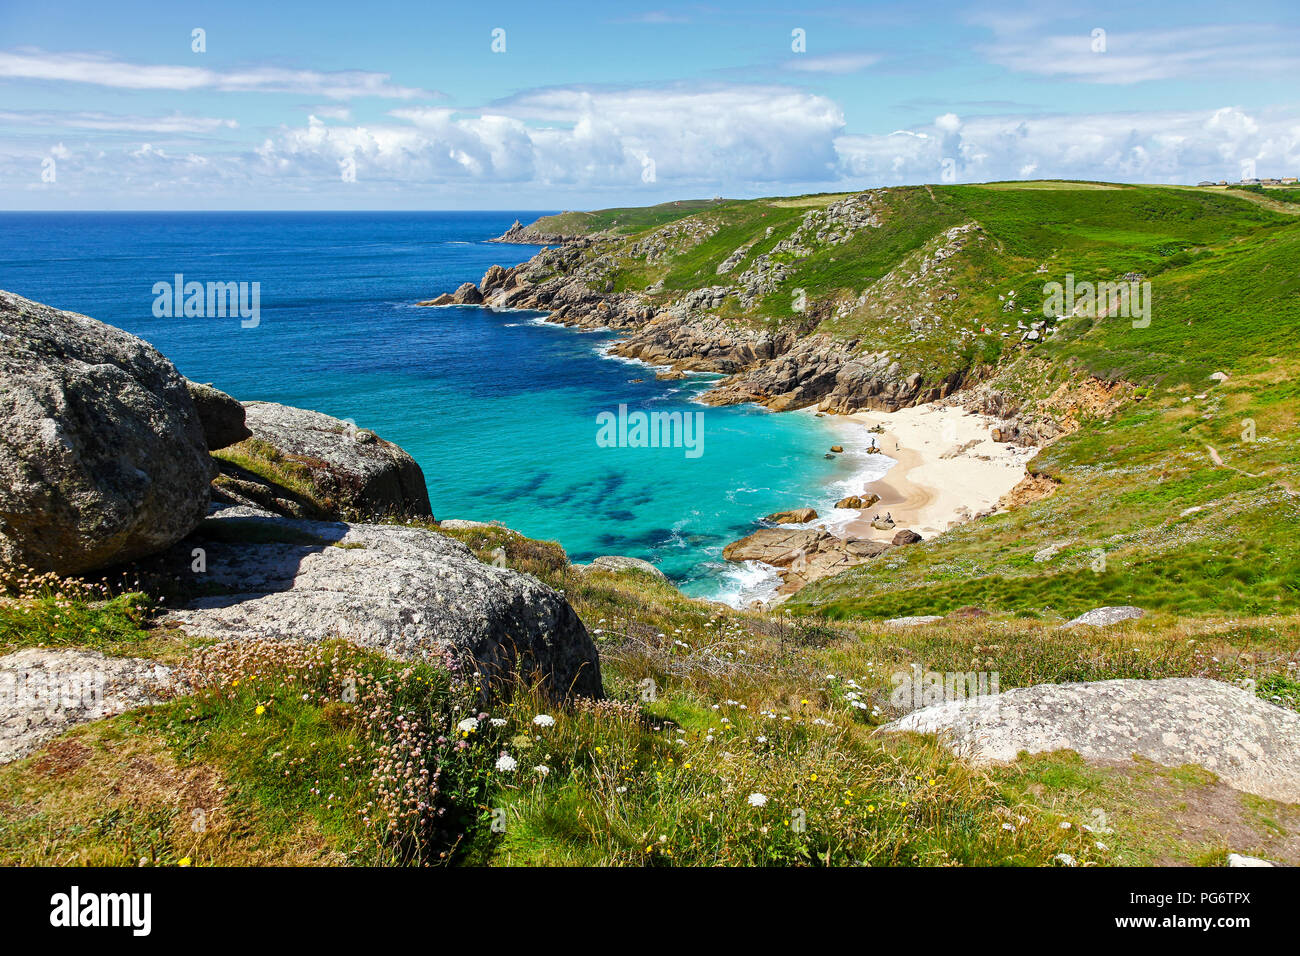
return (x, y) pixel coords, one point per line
(1144, 55)
(174, 123)
(101, 70)
(839, 63)
(585, 136)
(1156, 146)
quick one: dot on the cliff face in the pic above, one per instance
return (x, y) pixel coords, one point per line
(781, 367)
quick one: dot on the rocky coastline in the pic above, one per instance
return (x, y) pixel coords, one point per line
(783, 369)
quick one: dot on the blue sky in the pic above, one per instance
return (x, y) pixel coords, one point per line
(381, 105)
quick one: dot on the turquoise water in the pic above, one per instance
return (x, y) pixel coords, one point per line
(499, 408)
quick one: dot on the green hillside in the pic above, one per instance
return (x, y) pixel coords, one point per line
(1224, 298)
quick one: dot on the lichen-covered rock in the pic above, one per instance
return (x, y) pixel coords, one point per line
(44, 691)
(1250, 744)
(1106, 616)
(618, 562)
(355, 470)
(221, 416)
(406, 592)
(102, 455)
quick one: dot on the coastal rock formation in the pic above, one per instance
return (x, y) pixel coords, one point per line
(617, 562)
(794, 516)
(905, 536)
(356, 472)
(102, 455)
(44, 692)
(802, 555)
(858, 502)
(1106, 616)
(406, 592)
(466, 293)
(1250, 744)
(221, 416)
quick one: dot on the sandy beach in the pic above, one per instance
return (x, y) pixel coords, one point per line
(948, 469)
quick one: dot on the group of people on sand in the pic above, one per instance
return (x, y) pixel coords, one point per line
(888, 517)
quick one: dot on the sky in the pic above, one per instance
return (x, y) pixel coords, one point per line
(277, 104)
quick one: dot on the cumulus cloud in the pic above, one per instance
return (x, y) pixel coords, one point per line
(101, 70)
(587, 136)
(1157, 146)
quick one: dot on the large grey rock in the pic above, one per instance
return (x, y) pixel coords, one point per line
(1250, 744)
(221, 416)
(102, 456)
(44, 692)
(406, 592)
(359, 471)
(1105, 616)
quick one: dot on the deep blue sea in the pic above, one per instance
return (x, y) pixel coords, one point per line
(499, 409)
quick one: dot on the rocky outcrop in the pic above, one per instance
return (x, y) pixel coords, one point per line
(44, 692)
(1106, 616)
(617, 562)
(466, 293)
(905, 536)
(531, 235)
(858, 502)
(1250, 744)
(803, 555)
(102, 454)
(221, 416)
(406, 592)
(795, 516)
(353, 472)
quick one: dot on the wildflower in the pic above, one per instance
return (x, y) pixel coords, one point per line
(544, 720)
(184, 861)
(757, 800)
(260, 710)
(507, 763)
(497, 721)
(542, 769)
(468, 725)
(1064, 859)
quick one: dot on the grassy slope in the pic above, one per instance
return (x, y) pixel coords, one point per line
(742, 703)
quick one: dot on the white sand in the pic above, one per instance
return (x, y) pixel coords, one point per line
(928, 492)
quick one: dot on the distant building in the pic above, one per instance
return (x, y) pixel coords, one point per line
(1288, 180)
